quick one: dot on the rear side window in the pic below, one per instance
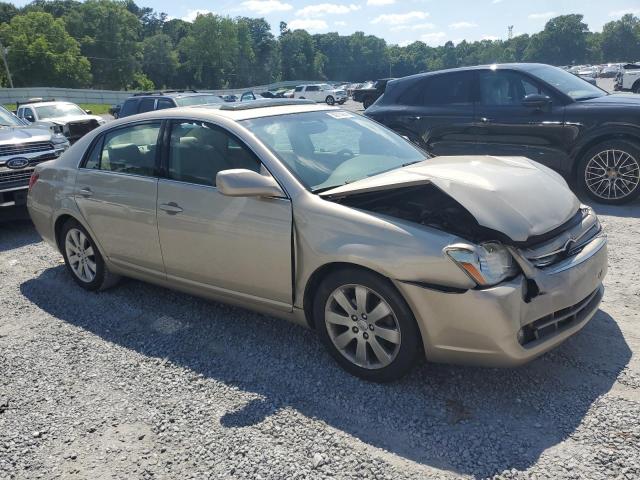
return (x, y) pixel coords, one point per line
(146, 105)
(164, 103)
(448, 89)
(299, 89)
(129, 107)
(130, 150)
(313, 88)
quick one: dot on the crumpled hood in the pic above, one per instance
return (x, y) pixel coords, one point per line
(513, 195)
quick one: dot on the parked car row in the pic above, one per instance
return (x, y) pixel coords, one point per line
(326, 218)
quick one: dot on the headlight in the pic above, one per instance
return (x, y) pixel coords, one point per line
(56, 129)
(487, 264)
(102, 121)
(59, 140)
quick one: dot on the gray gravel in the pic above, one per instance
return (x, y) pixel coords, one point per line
(140, 382)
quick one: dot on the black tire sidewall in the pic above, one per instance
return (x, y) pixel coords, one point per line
(411, 342)
(632, 148)
(330, 100)
(97, 282)
(367, 102)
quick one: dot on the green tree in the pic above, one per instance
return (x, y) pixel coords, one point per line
(109, 36)
(564, 40)
(620, 40)
(209, 52)
(7, 12)
(42, 53)
(265, 66)
(298, 55)
(159, 59)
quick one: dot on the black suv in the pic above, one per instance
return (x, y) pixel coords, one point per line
(149, 101)
(531, 110)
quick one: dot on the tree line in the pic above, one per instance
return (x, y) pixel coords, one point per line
(116, 44)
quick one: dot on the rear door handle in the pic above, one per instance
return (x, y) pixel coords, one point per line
(171, 208)
(85, 192)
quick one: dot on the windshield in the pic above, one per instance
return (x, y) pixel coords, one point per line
(59, 110)
(8, 119)
(567, 83)
(327, 149)
(198, 100)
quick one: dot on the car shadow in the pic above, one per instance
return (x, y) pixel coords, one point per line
(16, 229)
(468, 420)
(627, 210)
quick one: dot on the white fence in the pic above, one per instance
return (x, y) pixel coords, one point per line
(112, 97)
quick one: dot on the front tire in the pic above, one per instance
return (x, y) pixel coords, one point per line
(366, 325)
(330, 100)
(610, 172)
(367, 102)
(83, 259)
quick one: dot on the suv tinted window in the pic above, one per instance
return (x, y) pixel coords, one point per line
(505, 88)
(164, 103)
(299, 89)
(313, 88)
(146, 105)
(130, 150)
(448, 89)
(198, 151)
(129, 107)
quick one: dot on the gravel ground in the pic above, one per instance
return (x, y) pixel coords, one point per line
(142, 382)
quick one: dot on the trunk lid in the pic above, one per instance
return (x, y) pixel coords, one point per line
(512, 195)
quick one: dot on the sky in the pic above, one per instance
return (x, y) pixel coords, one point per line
(405, 21)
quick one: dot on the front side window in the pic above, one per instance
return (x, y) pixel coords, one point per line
(567, 83)
(28, 114)
(130, 150)
(198, 151)
(453, 89)
(59, 110)
(505, 88)
(327, 149)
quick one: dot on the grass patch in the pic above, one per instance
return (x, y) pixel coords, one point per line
(96, 108)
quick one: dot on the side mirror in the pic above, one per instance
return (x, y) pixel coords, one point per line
(240, 182)
(89, 112)
(29, 118)
(536, 100)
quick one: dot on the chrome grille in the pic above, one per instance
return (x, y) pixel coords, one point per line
(566, 244)
(17, 176)
(24, 148)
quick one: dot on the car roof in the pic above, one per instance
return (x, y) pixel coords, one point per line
(172, 95)
(255, 109)
(496, 66)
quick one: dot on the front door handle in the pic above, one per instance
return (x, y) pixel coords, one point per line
(171, 208)
(85, 192)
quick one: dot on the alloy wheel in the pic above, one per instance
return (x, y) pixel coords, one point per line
(612, 174)
(80, 255)
(362, 326)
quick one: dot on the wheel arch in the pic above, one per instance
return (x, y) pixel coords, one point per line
(595, 141)
(320, 274)
(62, 219)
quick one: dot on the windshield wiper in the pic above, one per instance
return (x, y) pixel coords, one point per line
(395, 168)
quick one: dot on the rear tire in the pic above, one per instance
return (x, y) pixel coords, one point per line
(83, 259)
(383, 342)
(610, 172)
(367, 102)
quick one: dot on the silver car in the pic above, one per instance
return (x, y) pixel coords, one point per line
(328, 219)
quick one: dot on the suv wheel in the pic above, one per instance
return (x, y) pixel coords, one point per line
(83, 260)
(367, 102)
(330, 100)
(366, 325)
(610, 172)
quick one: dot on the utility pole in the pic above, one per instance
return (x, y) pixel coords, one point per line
(510, 35)
(4, 50)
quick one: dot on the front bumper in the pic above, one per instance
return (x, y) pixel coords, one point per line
(480, 327)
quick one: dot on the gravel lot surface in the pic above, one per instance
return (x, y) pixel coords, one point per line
(140, 382)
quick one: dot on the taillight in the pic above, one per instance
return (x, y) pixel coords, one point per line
(33, 179)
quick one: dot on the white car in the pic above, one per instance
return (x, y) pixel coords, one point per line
(321, 92)
(628, 79)
(60, 117)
